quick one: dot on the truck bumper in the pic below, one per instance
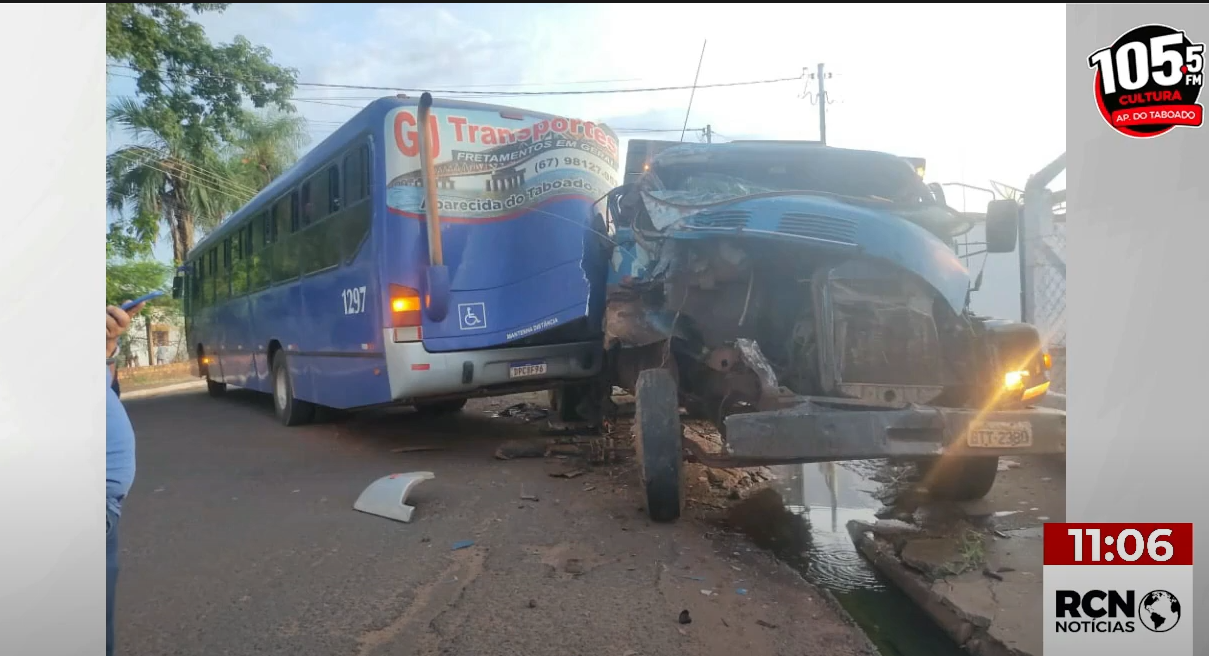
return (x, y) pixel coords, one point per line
(822, 430)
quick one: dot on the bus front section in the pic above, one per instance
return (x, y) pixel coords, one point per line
(501, 288)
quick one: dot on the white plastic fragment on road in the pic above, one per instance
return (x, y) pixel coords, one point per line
(387, 496)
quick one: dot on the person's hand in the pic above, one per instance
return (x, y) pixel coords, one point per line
(117, 321)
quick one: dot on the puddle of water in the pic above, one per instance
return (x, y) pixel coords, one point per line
(803, 520)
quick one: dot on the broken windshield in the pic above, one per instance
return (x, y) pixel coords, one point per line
(697, 176)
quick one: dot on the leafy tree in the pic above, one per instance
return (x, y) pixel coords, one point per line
(193, 96)
(161, 179)
(264, 146)
(188, 81)
(131, 272)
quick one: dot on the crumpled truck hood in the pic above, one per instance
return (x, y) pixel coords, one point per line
(820, 221)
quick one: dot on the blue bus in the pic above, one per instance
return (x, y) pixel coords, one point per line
(336, 286)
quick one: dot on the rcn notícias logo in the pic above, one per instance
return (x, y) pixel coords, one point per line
(1113, 611)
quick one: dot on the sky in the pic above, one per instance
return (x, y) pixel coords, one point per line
(977, 90)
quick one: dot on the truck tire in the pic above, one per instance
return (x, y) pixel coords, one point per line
(658, 444)
(290, 410)
(960, 478)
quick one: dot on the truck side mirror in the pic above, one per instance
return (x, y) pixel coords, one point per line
(178, 285)
(939, 193)
(1002, 226)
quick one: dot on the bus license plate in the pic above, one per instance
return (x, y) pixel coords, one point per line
(1001, 435)
(526, 369)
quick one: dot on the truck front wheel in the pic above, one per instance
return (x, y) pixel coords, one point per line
(658, 443)
(956, 478)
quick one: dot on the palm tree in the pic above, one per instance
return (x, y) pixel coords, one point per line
(264, 146)
(162, 178)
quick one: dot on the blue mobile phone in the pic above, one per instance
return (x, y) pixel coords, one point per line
(142, 299)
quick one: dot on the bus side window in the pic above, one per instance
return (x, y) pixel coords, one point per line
(316, 196)
(333, 188)
(199, 276)
(270, 228)
(208, 282)
(308, 207)
(223, 287)
(295, 213)
(239, 272)
(355, 184)
(258, 265)
(354, 223)
(319, 192)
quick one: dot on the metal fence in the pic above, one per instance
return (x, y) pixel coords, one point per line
(1043, 264)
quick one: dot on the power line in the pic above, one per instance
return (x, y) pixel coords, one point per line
(464, 92)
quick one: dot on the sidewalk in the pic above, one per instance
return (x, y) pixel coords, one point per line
(160, 390)
(975, 568)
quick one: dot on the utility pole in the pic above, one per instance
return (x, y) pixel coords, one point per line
(709, 134)
(822, 108)
(693, 93)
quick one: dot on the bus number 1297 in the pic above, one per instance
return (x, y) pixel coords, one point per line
(354, 300)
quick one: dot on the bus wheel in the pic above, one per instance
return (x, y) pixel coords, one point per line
(441, 407)
(566, 402)
(291, 411)
(215, 388)
(658, 444)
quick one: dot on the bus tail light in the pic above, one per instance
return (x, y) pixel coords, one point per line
(405, 307)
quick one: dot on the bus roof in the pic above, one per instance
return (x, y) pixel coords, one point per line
(368, 120)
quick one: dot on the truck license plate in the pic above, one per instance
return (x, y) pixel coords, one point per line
(1001, 435)
(526, 369)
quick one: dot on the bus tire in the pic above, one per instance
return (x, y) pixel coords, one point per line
(290, 411)
(215, 388)
(658, 444)
(441, 407)
(960, 478)
(565, 402)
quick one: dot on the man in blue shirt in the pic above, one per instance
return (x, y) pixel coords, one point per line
(119, 459)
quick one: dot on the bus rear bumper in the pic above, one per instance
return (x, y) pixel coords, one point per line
(416, 374)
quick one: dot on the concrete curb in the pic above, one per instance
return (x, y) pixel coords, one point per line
(839, 609)
(151, 392)
(968, 632)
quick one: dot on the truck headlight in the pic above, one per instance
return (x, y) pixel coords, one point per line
(1022, 363)
(1028, 385)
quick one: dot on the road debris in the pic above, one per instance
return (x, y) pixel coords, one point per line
(525, 411)
(417, 449)
(767, 625)
(568, 473)
(462, 544)
(387, 496)
(685, 618)
(521, 449)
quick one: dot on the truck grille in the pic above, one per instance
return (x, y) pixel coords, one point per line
(813, 226)
(720, 220)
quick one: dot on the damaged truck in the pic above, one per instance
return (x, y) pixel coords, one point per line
(809, 301)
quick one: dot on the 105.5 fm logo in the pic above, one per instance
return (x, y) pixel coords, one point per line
(1148, 81)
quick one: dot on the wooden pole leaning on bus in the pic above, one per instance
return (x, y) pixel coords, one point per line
(429, 173)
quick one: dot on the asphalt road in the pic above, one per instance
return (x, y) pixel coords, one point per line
(239, 537)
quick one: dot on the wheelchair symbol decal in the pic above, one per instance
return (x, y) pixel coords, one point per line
(472, 316)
